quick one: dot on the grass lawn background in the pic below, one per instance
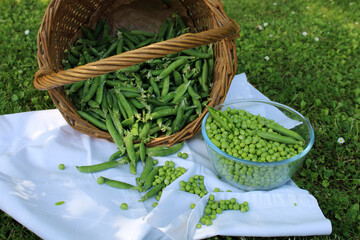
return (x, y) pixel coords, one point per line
(304, 54)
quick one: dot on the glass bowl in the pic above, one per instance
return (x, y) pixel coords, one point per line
(250, 174)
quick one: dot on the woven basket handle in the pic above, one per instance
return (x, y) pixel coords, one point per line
(46, 79)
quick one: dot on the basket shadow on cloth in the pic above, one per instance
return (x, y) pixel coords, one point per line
(61, 26)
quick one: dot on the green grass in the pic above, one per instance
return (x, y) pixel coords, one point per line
(318, 78)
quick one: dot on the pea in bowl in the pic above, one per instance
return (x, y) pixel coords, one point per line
(256, 144)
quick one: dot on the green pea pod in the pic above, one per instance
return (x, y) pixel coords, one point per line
(99, 27)
(111, 49)
(142, 152)
(72, 60)
(147, 169)
(92, 120)
(125, 104)
(216, 116)
(86, 32)
(163, 113)
(118, 154)
(117, 184)
(282, 130)
(150, 178)
(75, 87)
(164, 151)
(165, 87)
(100, 90)
(131, 151)
(195, 53)
(152, 192)
(180, 91)
(144, 43)
(177, 78)
(276, 137)
(102, 166)
(192, 92)
(119, 48)
(204, 77)
(155, 87)
(163, 29)
(115, 116)
(131, 38)
(143, 33)
(129, 44)
(133, 68)
(169, 96)
(145, 130)
(177, 124)
(92, 90)
(172, 67)
(116, 136)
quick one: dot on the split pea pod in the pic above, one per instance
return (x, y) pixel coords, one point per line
(152, 192)
(214, 114)
(117, 184)
(284, 131)
(276, 137)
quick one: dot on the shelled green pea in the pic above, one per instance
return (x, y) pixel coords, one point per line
(215, 207)
(194, 185)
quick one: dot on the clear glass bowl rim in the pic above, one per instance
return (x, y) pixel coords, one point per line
(286, 161)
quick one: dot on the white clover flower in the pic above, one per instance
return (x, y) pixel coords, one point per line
(341, 140)
(304, 33)
(351, 3)
(265, 24)
(274, 3)
(260, 27)
(356, 23)
(293, 12)
(271, 35)
(307, 7)
(316, 39)
(266, 58)
(27, 32)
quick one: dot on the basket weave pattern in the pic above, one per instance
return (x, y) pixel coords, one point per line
(61, 26)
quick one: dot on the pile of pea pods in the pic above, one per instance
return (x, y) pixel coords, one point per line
(141, 102)
(153, 98)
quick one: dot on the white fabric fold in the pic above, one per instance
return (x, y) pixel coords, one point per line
(33, 144)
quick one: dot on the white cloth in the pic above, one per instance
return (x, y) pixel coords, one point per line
(33, 144)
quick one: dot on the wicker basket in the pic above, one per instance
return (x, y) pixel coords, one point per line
(61, 26)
